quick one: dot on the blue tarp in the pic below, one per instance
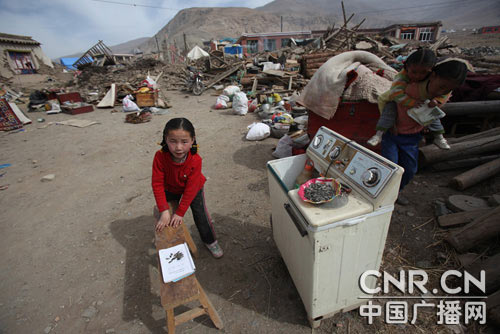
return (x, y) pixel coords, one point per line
(68, 62)
(234, 50)
(228, 39)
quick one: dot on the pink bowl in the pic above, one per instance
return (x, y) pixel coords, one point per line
(335, 184)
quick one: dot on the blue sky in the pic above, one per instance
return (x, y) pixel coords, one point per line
(68, 26)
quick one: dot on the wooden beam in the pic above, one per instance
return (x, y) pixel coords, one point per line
(464, 163)
(431, 153)
(481, 229)
(472, 108)
(340, 29)
(223, 75)
(459, 218)
(482, 134)
(476, 175)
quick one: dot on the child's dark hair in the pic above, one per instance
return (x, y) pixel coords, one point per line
(454, 70)
(422, 56)
(180, 123)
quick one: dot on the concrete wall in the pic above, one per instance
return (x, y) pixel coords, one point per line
(7, 66)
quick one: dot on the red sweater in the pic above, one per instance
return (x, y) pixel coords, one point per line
(418, 90)
(179, 178)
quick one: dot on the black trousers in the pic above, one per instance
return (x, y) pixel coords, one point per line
(200, 215)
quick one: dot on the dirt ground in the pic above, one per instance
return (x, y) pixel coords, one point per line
(78, 255)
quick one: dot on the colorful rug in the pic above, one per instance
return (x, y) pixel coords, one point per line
(8, 119)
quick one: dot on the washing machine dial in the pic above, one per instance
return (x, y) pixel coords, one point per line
(371, 177)
(317, 141)
(334, 153)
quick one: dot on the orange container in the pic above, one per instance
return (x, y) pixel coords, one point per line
(146, 99)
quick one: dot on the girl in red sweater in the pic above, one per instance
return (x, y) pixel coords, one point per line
(177, 178)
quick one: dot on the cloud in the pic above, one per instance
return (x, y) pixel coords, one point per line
(69, 26)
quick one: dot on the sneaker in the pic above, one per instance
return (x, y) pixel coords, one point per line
(402, 200)
(375, 140)
(441, 143)
(215, 249)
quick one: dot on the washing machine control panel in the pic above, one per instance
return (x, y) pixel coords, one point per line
(368, 173)
(337, 155)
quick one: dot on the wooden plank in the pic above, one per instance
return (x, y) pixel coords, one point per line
(459, 218)
(319, 55)
(340, 29)
(207, 305)
(254, 85)
(223, 75)
(438, 43)
(109, 99)
(188, 315)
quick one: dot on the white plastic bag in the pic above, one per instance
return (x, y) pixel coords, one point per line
(229, 91)
(283, 148)
(270, 66)
(150, 82)
(129, 105)
(221, 102)
(240, 103)
(258, 131)
(301, 121)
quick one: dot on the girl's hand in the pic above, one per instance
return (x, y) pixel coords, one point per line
(176, 220)
(164, 221)
(432, 103)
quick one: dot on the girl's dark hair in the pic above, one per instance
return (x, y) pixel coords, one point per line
(422, 56)
(179, 124)
(455, 70)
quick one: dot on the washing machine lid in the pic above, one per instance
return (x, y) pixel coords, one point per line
(323, 214)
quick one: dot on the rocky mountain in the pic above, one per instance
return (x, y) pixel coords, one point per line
(203, 24)
(453, 13)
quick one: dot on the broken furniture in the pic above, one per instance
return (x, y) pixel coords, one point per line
(72, 103)
(147, 99)
(188, 289)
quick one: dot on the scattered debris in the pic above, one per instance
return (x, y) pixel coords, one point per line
(48, 177)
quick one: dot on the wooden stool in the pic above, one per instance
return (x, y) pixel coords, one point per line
(188, 289)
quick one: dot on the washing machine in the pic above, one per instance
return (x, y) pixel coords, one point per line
(327, 247)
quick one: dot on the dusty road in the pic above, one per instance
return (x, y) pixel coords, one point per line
(77, 251)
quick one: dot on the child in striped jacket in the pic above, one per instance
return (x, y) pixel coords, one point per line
(417, 67)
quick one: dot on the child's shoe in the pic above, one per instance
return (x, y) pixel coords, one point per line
(376, 139)
(441, 142)
(215, 249)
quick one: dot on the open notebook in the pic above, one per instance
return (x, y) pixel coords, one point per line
(424, 115)
(176, 263)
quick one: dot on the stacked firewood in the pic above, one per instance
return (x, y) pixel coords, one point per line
(479, 150)
(481, 231)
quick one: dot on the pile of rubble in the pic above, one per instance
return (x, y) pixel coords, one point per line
(481, 51)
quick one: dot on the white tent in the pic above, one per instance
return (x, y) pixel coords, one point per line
(196, 53)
